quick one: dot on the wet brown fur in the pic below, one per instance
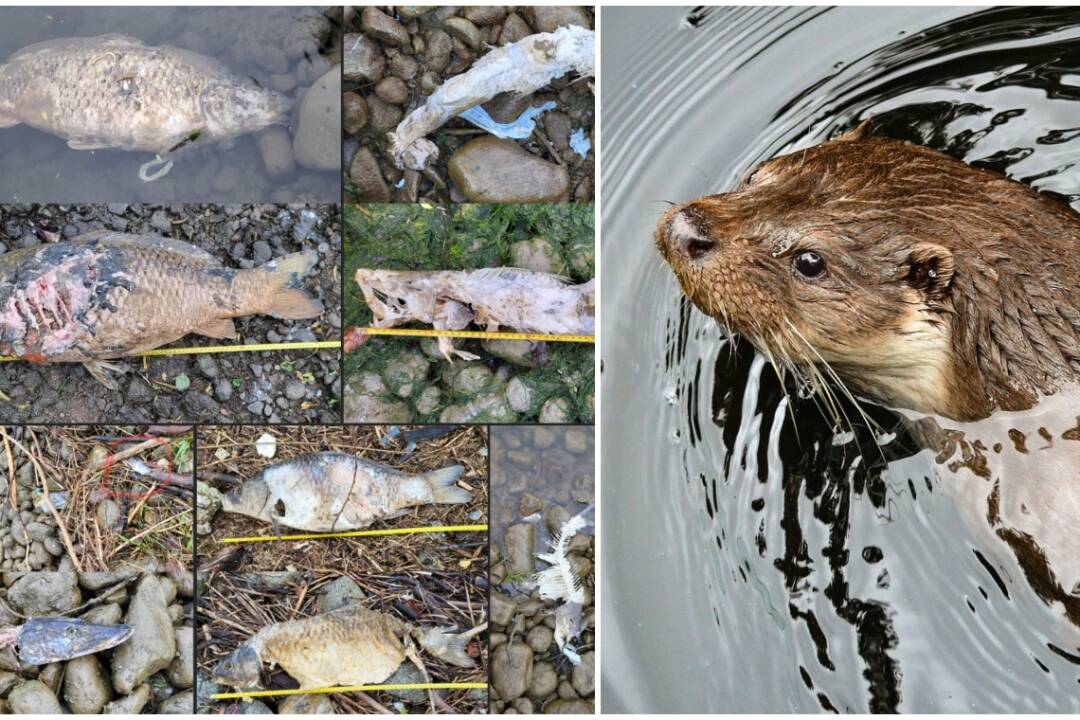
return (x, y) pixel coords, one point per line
(950, 289)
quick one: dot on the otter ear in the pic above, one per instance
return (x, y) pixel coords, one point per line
(930, 269)
(862, 131)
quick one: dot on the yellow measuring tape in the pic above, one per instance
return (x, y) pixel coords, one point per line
(359, 533)
(350, 688)
(264, 347)
(478, 335)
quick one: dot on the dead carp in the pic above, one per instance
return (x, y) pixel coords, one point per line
(522, 300)
(111, 91)
(350, 646)
(44, 640)
(107, 295)
(333, 491)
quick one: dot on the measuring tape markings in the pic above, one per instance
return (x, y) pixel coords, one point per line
(350, 688)
(359, 533)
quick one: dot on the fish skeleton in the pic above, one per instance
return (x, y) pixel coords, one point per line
(106, 295)
(524, 300)
(350, 646)
(112, 91)
(559, 582)
(332, 491)
(44, 640)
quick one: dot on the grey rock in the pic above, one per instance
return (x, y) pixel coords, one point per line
(33, 698)
(339, 593)
(493, 170)
(85, 688)
(544, 681)
(130, 704)
(511, 670)
(152, 645)
(518, 547)
(382, 27)
(318, 133)
(45, 593)
(307, 705)
(182, 703)
(367, 177)
(502, 609)
(181, 673)
(363, 59)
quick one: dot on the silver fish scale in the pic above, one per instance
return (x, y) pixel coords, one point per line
(115, 92)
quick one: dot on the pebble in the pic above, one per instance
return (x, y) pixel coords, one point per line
(514, 29)
(493, 170)
(131, 704)
(33, 698)
(501, 608)
(356, 112)
(179, 704)
(549, 18)
(160, 221)
(45, 593)
(439, 46)
(518, 547)
(464, 31)
(181, 672)
(392, 90)
(307, 705)
(544, 680)
(382, 116)
(511, 670)
(276, 148)
(485, 14)
(295, 390)
(86, 691)
(363, 59)
(152, 645)
(318, 133)
(583, 674)
(384, 28)
(367, 177)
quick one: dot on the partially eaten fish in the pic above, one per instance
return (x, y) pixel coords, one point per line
(350, 646)
(522, 300)
(105, 295)
(331, 491)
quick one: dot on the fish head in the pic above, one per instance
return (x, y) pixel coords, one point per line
(250, 498)
(568, 623)
(233, 107)
(239, 669)
(43, 640)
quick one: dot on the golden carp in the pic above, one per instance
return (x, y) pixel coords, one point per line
(522, 300)
(111, 91)
(106, 295)
(332, 491)
(350, 646)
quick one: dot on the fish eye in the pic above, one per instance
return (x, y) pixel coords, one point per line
(809, 264)
(71, 632)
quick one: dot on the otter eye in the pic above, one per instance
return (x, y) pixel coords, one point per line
(809, 264)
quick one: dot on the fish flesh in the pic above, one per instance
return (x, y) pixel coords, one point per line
(523, 300)
(44, 640)
(106, 295)
(519, 68)
(112, 91)
(331, 491)
(349, 646)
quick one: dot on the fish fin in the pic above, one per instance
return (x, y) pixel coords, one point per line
(223, 328)
(80, 145)
(443, 488)
(100, 369)
(290, 301)
(115, 239)
(446, 646)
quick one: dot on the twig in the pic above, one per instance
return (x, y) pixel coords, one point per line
(11, 470)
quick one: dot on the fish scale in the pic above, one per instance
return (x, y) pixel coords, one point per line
(107, 295)
(112, 91)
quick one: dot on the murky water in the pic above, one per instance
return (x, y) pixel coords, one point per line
(544, 462)
(286, 49)
(753, 558)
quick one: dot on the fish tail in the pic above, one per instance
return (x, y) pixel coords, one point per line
(443, 487)
(446, 646)
(289, 300)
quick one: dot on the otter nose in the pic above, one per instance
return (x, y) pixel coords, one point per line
(686, 235)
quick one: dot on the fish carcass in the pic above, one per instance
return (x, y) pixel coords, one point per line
(332, 491)
(349, 646)
(112, 91)
(522, 300)
(104, 295)
(44, 640)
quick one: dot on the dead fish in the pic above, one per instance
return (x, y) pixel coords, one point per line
(350, 646)
(332, 491)
(112, 91)
(523, 300)
(44, 640)
(107, 295)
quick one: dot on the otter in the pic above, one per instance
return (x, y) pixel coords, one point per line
(921, 281)
(927, 285)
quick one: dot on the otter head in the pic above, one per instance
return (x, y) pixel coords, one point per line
(239, 669)
(830, 256)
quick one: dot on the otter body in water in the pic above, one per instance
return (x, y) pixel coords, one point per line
(919, 280)
(927, 284)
